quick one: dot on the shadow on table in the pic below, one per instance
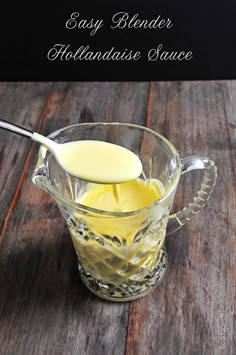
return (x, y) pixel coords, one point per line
(42, 274)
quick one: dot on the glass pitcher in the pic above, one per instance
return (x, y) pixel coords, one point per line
(121, 255)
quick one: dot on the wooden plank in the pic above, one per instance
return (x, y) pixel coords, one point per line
(44, 307)
(21, 103)
(193, 310)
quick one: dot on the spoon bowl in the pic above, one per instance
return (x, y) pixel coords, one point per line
(90, 160)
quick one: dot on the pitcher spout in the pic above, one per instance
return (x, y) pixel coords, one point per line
(39, 177)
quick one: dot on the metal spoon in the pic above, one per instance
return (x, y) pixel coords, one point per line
(73, 159)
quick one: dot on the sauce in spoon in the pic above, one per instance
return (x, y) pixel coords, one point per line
(91, 160)
(98, 161)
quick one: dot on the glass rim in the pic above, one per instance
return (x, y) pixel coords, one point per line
(96, 211)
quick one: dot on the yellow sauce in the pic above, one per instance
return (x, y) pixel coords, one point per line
(99, 161)
(133, 195)
(129, 196)
(115, 249)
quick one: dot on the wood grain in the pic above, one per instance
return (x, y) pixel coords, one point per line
(44, 307)
(24, 104)
(193, 311)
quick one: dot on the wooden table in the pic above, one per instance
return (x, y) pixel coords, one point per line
(44, 307)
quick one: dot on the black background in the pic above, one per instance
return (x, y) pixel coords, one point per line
(207, 28)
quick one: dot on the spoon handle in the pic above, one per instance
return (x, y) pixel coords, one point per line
(16, 129)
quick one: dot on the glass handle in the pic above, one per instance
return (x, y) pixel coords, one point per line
(177, 220)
